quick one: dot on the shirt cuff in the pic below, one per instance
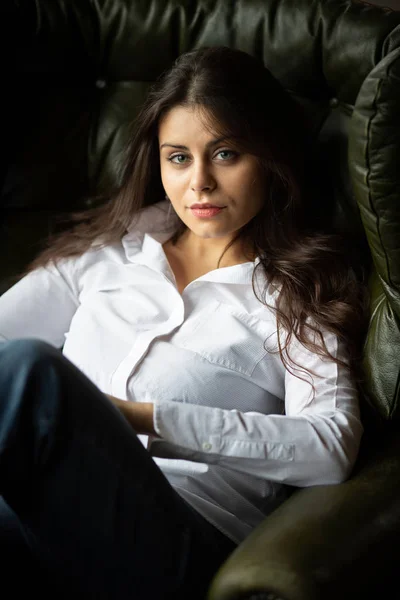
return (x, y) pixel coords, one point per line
(180, 424)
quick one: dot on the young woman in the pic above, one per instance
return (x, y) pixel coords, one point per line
(204, 308)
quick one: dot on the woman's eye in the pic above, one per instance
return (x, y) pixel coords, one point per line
(177, 159)
(226, 154)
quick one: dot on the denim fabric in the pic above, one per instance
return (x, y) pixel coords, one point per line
(94, 508)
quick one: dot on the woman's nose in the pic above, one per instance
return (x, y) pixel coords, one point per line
(202, 178)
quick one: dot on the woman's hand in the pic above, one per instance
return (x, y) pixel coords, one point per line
(139, 414)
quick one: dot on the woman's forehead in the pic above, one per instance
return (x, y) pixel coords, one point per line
(188, 121)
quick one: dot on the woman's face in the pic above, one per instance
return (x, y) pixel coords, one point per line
(214, 188)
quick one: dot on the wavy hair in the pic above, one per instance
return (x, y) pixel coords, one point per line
(319, 275)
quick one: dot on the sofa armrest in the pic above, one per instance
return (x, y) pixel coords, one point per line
(326, 542)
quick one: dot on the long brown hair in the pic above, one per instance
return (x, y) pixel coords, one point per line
(319, 286)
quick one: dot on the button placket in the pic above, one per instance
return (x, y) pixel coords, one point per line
(127, 366)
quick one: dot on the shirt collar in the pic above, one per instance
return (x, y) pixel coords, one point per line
(158, 220)
(152, 227)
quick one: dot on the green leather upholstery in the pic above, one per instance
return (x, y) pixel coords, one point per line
(76, 73)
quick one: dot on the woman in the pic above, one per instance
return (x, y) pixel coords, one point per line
(208, 295)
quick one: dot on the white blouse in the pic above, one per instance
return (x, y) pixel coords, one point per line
(234, 424)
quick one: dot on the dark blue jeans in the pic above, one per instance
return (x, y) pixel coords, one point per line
(95, 510)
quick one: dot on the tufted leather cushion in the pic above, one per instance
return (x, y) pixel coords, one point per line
(373, 151)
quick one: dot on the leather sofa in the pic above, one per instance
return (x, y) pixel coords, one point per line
(75, 73)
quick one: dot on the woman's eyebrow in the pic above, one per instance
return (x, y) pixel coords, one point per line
(181, 147)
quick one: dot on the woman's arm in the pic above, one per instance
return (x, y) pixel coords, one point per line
(315, 442)
(41, 305)
(138, 414)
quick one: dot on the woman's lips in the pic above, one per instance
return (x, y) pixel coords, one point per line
(210, 211)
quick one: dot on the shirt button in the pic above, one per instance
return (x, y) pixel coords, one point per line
(207, 446)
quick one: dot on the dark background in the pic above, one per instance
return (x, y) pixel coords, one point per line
(390, 3)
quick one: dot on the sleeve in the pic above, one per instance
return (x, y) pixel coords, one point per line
(315, 442)
(41, 305)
